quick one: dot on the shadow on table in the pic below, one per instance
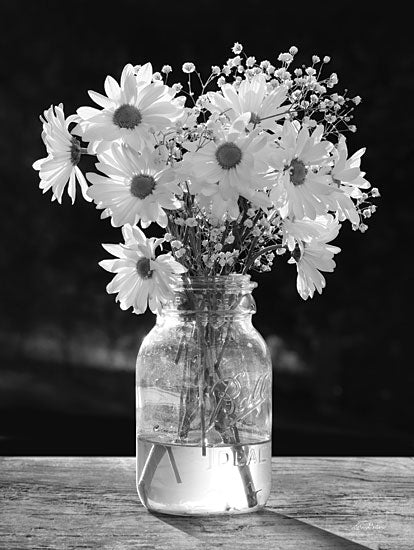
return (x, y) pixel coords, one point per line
(265, 529)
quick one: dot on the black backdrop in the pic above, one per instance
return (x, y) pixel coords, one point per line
(345, 384)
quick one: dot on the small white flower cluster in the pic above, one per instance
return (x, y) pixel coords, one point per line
(255, 167)
(308, 93)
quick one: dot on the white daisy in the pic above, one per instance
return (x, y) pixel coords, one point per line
(304, 230)
(346, 172)
(344, 206)
(59, 169)
(230, 166)
(346, 176)
(135, 188)
(314, 254)
(209, 199)
(141, 278)
(131, 110)
(298, 190)
(251, 97)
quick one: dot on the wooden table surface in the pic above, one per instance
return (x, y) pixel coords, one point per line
(316, 503)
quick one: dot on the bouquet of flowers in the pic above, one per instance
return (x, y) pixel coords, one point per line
(254, 169)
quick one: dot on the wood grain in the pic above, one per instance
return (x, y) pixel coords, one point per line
(316, 503)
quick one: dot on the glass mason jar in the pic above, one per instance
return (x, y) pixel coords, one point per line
(204, 403)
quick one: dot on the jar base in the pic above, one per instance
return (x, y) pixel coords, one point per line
(257, 508)
(181, 480)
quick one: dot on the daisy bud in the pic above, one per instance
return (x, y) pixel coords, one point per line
(166, 69)
(176, 244)
(156, 76)
(215, 70)
(188, 67)
(248, 223)
(230, 239)
(375, 192)
(221, 81)
(326, 59)
(357, 100)
(280, 251)
(315, 59)
(293, 50)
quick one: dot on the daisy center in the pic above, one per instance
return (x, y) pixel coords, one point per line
(127, 116)
(75, 151)
(228, 155)
(298, 172)
(142, 185)
(143, 268)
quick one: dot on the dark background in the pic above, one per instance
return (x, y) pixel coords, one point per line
(343, 379)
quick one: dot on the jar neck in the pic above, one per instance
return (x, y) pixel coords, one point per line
(225, 295)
